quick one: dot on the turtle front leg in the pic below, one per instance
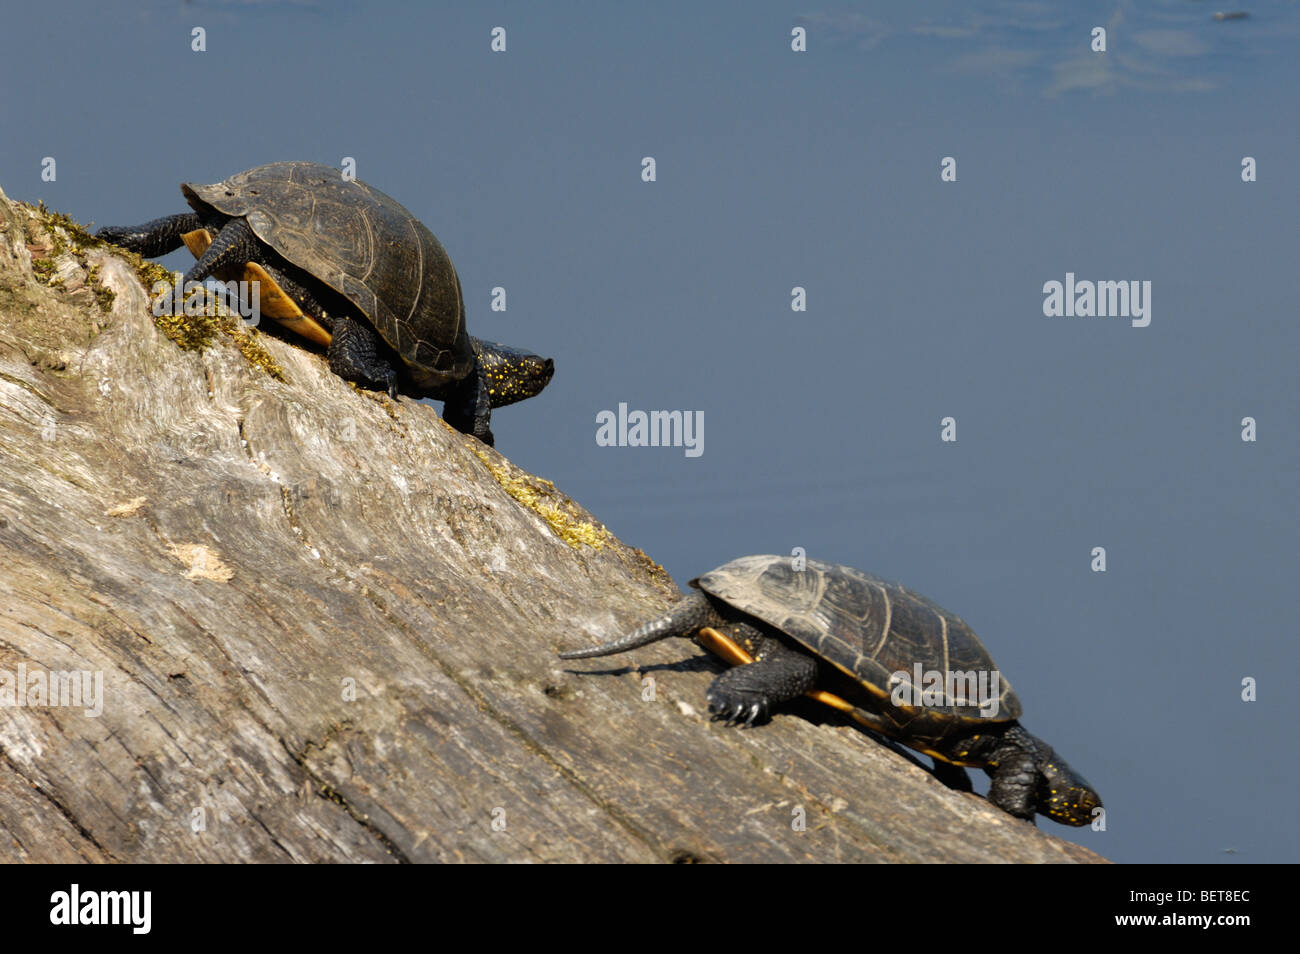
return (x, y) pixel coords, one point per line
(154, 238)
(468, 406)
(1015, 782)
(234, 245)
(356, 353)
(778, 673)
(953, 776)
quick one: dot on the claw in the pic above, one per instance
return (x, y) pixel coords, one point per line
(739, 712)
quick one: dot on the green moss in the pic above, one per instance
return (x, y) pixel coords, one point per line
(64, 230)
(66, 233)
(43, 268)
(104, 296)
(149, 273)
(191, 332)
(197, 332)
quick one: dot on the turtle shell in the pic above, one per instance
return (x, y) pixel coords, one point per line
(874, 631)
(363, 245)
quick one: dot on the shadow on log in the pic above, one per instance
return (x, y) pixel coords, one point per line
(324, 628)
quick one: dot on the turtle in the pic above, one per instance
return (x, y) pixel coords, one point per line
(344, 265)
(796, 626)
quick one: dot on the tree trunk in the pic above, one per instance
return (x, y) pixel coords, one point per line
(326, 628)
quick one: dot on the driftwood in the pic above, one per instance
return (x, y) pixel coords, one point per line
(326, 625)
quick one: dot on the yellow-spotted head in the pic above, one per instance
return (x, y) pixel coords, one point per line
(512, 375)
(1063, 794)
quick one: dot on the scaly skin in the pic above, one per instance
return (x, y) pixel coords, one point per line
(154, 238)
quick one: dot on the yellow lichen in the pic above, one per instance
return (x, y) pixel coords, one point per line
(539, 495)
(250, 346)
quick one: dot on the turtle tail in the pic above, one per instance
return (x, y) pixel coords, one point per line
(683, 619)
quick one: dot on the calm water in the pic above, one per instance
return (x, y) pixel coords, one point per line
(924, 301)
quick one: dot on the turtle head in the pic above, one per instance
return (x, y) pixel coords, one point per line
(512, 375)
(1063, 794)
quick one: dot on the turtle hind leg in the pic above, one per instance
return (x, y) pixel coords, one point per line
(356, 353)
(468, 405)
(153, 238)
(778, 673)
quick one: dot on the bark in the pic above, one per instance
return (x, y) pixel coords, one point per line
(326, 625)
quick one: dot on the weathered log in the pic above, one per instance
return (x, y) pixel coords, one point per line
(326, 625)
